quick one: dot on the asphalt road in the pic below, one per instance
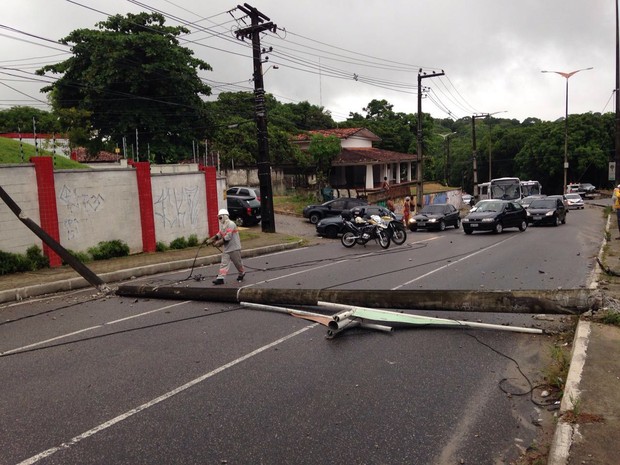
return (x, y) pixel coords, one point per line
(129, 381)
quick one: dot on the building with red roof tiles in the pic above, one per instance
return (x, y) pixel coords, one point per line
(359, 164)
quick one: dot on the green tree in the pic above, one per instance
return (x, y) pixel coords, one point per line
(131, 74)
(323, 151)
(20, 118)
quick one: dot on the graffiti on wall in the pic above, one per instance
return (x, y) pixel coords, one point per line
(177, 208)
(72, 228)
(75, 201)
(78, 203)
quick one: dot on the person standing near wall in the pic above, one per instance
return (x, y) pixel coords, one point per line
(228, 236)
(616, 205)
(386, 185)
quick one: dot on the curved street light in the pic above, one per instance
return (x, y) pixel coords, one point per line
(490, 133)
(566, 76)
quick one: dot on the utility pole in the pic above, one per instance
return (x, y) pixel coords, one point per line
(617, 155)
(446, 138)
(420, 161)
(264, 167)
(475, 150)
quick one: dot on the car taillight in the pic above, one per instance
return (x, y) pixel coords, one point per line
(249, 210)
(258, 198)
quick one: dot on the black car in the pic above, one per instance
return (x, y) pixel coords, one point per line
(331, 208)
(526, 201)
(333, 226)
(495, 215)
(436, 216)
(547, 211)
(245, 211)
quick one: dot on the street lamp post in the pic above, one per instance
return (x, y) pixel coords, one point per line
(566, 76)
(490, 134)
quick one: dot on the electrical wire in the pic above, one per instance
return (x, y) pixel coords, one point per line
(115, 333)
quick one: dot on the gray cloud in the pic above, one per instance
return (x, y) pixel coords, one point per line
(491, 50)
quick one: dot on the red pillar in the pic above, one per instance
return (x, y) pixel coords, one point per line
(48, 209)
(145, 198)
(212, 204)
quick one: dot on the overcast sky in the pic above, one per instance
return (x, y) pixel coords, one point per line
(341, 54)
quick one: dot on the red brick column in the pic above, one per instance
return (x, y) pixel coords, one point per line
(145, 198)
(48, 209)
(211, 192)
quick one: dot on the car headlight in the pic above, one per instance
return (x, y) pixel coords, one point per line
(549, 214)
(488, 220)
(465, 220)
(528, 213)
(412, 220)
(432, 220)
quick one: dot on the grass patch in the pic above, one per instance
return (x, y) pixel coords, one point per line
(246, 234)
(294, 203)
(10, 154)
(557, 371)
(610, 318)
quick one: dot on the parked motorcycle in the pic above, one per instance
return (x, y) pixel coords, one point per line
(397, 232)
(360, 231)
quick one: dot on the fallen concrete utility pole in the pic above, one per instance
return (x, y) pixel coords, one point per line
(406, 319)
(63, 253)
(559, 301)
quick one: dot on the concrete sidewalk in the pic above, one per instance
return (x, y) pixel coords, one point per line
(588, 428)
(20, 286)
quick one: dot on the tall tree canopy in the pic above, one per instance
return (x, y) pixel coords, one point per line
(21, 119)
(130, 74)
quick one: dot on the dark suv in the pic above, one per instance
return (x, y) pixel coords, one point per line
(332, 208)
(245, 211)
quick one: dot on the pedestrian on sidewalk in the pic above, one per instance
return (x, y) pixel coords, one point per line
(228, 237)
(616, 205)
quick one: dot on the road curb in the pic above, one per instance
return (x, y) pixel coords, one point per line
(563, 435)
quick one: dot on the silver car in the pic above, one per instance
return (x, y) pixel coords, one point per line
(574, 201)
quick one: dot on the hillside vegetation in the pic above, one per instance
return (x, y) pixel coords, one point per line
(10, 154)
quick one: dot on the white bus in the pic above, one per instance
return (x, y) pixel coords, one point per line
(530, 188)
(483, 190)
(505, 189)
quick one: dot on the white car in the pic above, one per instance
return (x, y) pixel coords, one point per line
(574, 201)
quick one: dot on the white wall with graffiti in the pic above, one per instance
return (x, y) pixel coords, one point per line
(97, 205)
(20, 183)
(179, 206)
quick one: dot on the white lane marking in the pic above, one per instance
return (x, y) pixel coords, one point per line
(73, 441)
(63, 336)
(443, 267)
(348, 259)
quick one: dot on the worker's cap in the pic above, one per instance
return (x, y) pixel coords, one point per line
(223, 211)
